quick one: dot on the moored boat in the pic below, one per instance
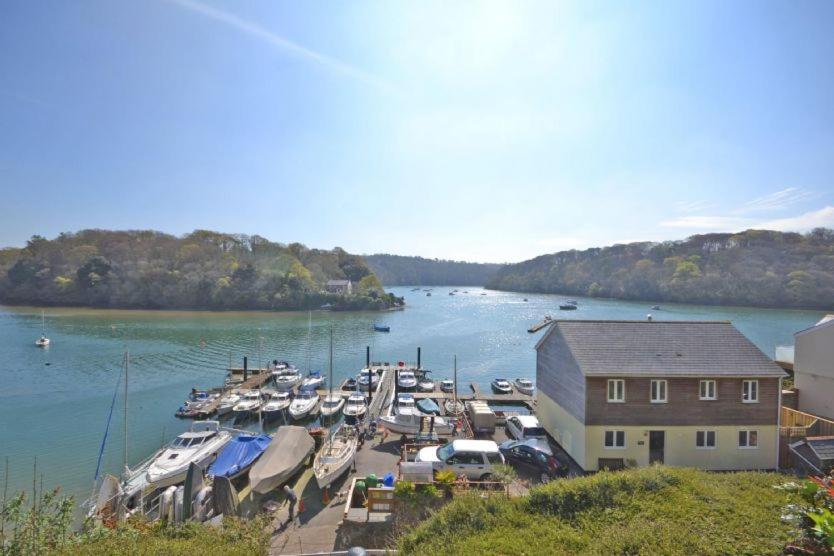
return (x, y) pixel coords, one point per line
(525, 386)
(248, 405)
(355, 406)
(502, 386)
(425, 383)
(405, 404)
(406, 380)
(313, 381)
(447, 385)
(382, 328)
(413, 424)
(428, 406)
(276, 405)
(331, 405)
(305, 403)
(286, 376)
(366, 377)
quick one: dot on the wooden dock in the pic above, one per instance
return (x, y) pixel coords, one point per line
(516, 398)
(257, 379)
(547, 321)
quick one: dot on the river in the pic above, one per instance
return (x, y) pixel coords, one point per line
(54, 402)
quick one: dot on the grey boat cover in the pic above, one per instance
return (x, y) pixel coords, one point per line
(224, 497)
(193, 485)
(289, 448)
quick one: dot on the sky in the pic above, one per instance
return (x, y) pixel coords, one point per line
(482, 131)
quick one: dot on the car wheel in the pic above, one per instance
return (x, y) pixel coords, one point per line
(545, 478)
(486, 477)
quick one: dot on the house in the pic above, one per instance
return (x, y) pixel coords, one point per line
(620, 393)
(344, 287)
(813, 368)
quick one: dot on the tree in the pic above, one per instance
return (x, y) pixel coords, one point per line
(94, 271)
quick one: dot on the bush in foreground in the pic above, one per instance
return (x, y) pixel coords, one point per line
(658, 510)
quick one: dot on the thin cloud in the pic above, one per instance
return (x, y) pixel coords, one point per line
(692, 206)
(822, 218)
(257, 32)
(707, 222)
(775, 201)
(562, 242)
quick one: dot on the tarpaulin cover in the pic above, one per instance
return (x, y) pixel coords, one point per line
(238, 454)
(289, 448)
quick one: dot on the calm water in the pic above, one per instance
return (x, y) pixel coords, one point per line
(58, 411)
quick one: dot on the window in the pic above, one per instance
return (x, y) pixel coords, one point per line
(494, 458)
(615, 439)
(705, 439)
(707, 390)
(658, 391)
(748, 439)
(616, 390)
(750, 391)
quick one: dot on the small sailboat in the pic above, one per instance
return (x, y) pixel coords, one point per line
(305, 403)
(525, 386)
(336, 455)
(43, 341)
(355, 406)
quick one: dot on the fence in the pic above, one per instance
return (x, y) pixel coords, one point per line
(796, 425)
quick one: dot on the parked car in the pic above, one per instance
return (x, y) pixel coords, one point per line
(522, 427)
(473, 458)
(529, 455)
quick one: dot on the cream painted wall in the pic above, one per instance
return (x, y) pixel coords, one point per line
(562, 426)
(816, 394)
(814, 370)
(680, 447)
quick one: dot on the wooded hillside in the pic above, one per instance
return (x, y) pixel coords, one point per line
(755, 268)
(396, 270)
(202, 270)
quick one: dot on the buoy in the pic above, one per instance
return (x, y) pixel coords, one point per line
(326, 498)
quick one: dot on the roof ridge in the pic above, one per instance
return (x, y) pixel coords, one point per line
(641, 321)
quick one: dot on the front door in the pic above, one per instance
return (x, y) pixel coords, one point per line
(657, 441)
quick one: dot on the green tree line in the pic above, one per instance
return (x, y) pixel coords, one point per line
(754, 268)
(201, 270)
(397, 270)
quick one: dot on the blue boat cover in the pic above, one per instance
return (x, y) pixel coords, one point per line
(428, 405)
(238, 454)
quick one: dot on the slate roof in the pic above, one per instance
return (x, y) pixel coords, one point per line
(823, 447)
(661, 348)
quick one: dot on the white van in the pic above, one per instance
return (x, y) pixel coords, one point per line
(473, 458)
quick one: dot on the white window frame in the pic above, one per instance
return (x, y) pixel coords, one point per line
(701, 389)
(751, 385)
(747, 433)
(706, 445)
(665, 387)
(614, 446)
(615, 382)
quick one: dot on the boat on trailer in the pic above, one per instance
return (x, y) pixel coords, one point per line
(336, 455)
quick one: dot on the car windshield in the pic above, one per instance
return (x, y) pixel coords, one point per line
(445, 452)
(541, 456)
(534, 432)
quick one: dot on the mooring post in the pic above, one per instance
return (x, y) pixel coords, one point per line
(418, 359)
(245, 368)
(370, 377)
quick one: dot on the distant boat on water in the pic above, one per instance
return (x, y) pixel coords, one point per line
(382, 327)
(655, 307)
(43, 341)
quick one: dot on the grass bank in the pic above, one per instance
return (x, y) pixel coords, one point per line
(647, 511)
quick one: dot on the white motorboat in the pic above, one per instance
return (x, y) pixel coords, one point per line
(502, 386)
(305, 403)
(278, 403)
(425, 384)
(228, 402)
(447, 385)
(248, 405)
(286, 377)
(525, 386)
(336, 455)
(406, 404)
(332, 405)
(365, 377)
(313, 381)
(355, 406)
(198, 445)
(407, 380)
(413, 424)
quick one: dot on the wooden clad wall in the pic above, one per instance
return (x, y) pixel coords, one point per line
(558, 375)
(683, 406)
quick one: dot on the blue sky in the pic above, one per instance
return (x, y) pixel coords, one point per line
(488, 131)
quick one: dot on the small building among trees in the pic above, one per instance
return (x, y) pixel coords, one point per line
(343, 287)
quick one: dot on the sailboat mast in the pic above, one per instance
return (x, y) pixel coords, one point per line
(455, 393)
(309, 328)
(127, 365)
